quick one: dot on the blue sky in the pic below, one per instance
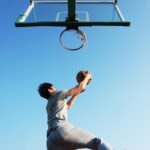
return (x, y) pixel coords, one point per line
(115, 105)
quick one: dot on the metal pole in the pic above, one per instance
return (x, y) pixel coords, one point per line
(31, 1)
(77, 2)
(71, 10)
(116, 1)
(22, 18)
(119, 13)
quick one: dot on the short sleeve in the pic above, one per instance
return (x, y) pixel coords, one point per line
(63, 94)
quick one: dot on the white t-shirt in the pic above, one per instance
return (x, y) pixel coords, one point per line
(57, 108)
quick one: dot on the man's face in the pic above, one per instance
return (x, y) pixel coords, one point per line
(52, 90)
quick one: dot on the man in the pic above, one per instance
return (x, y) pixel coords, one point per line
(61, 135)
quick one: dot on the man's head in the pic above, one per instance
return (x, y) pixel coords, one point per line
(46, 90)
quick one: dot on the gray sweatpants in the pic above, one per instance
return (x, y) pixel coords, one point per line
(69, 137)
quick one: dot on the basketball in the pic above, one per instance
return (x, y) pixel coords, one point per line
(81, 76)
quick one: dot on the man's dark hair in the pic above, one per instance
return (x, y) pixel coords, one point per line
(43, 90)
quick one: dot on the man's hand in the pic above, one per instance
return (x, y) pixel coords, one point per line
(81, 85)
(89, 75)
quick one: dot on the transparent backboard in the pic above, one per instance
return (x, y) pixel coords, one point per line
(87, 13)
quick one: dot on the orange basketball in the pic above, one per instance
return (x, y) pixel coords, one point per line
(81, 76)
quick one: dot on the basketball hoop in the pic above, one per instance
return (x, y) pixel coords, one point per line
(79, 36)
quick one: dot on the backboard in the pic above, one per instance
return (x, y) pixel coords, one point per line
(72, 13)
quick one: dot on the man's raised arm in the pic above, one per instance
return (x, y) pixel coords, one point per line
(81, 86)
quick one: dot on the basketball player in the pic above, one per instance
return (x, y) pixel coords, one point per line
(61, 135)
